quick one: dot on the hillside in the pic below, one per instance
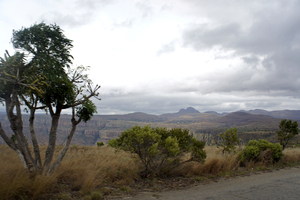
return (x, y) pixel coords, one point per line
(205, 126)
(281, 114)
(242, 119)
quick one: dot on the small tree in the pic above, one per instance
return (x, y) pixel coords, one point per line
(160, 150)
(41, 81)
(229, 140)
(288, 130)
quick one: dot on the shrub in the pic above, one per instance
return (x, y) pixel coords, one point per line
(160, 150)
(100, 144)
(255, 148)
(229, 140)
(288, 130)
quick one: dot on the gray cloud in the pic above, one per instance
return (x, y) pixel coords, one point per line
(166, 48)
(251, 59)
(264, 36)
(145, 8)
(221, 102)
(66, 19)
(168, 6)
(74, 14)
(124, 24)
(273, 35)
(92, 4)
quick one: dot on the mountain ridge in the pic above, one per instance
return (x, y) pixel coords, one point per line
(204, 125)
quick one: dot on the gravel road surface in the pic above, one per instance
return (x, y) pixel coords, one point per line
(281, 184)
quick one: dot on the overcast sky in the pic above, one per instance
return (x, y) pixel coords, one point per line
(158, 56)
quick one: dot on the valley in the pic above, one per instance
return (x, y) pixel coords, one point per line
(256, 124)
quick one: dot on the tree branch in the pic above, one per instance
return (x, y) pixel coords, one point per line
(8, 141)
(93, 93)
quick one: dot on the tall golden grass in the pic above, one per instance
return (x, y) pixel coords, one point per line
(83, 170)
(90, 172)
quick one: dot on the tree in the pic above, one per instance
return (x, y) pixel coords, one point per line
(229, 140)
(288, 130)
(43, 80)
(160, 150)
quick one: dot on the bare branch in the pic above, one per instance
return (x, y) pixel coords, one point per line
(93, 93)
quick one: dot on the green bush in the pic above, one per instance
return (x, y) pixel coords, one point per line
(255, 148)
(160, 150)
(229, 140)
(100, 144)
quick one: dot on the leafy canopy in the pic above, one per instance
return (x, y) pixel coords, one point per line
(47, 44)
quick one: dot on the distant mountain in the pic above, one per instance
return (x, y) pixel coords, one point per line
(212, 112)
(243, 118)
(258, 112)
(189, 110)
(281, 114)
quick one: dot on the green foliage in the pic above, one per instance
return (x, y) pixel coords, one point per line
(17, 77)
(254, 148)
(49, 55)
(86, 110)
(229, 140)
(50, 52)
(13, 138)
(288, 130)
(45, 42)
(160, 150)
(100, 144)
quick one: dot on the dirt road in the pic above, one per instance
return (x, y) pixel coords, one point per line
(282, 184)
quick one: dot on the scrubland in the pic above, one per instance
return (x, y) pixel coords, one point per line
(100, 172)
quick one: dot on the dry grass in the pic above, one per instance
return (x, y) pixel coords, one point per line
(83, 170)
(291, 156)
(93, 172)
(215, 164)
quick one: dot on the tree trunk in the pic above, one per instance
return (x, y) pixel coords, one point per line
(16, 124)
(67, 144)
(52, 139)
(38, 161)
